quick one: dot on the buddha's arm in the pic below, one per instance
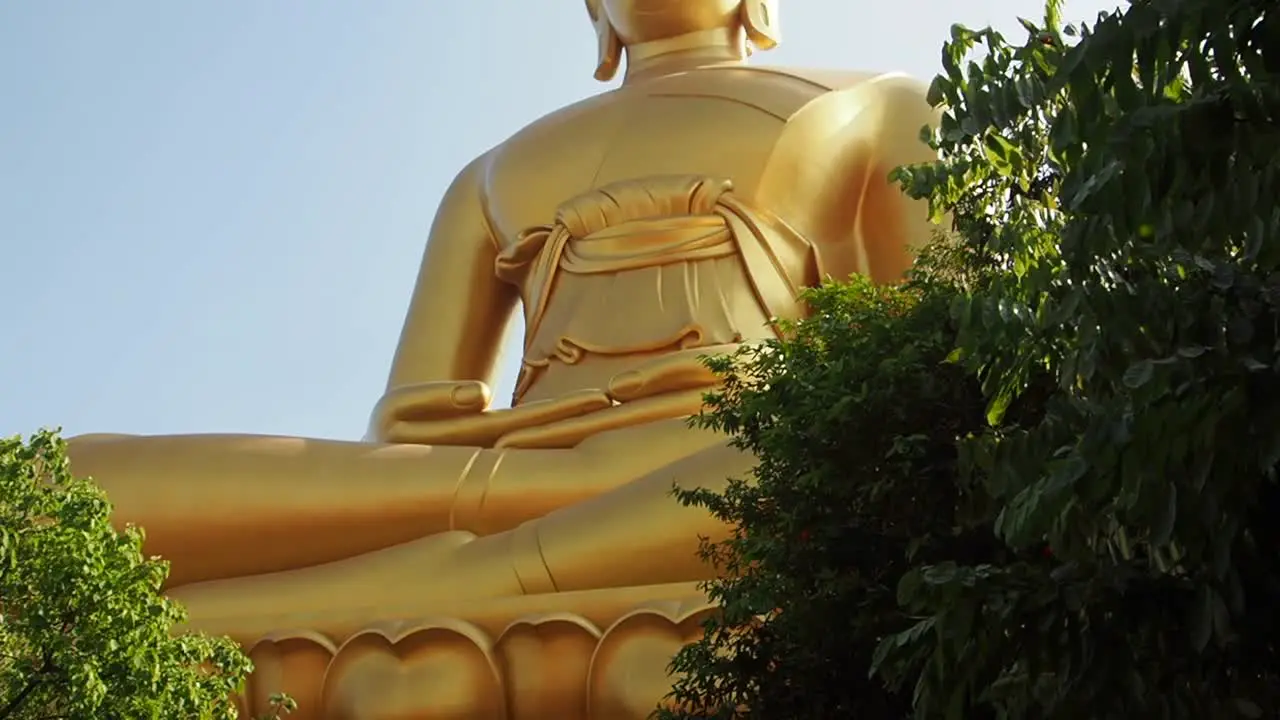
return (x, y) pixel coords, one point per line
(457, 317)
(892, 227)
(220, 506)
(829, 176)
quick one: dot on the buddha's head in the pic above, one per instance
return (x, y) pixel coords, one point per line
(628, 23)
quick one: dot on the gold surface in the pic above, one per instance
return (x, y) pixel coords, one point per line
(529, 562)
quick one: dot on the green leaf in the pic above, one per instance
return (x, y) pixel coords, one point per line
(1162, 530)
(942, 574)
(1138, 374)
(908, 587)
(1200, 623)
(998, 406)
(938, 91)
(1253, 364)
(1247, 708)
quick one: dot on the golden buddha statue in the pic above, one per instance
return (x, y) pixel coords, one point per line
(530, 562)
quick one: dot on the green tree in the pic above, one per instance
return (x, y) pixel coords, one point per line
(84, 632)
(1123, 187)
(854, 417)
(1077, 513)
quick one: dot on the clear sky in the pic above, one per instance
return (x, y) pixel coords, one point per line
(212, 211)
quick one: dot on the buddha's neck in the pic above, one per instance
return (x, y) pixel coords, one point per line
(685, 52)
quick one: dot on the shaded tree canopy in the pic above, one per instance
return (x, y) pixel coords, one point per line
(1039, 479)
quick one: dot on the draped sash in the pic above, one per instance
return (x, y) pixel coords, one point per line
(652, 263)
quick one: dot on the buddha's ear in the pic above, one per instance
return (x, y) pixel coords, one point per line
(760, 19)
(609, 58)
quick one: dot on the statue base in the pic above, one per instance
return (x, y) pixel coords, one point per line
(593, 655)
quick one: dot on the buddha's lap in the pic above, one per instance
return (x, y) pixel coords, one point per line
(251, 517)
(633, 533)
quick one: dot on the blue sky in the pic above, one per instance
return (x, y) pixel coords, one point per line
(212, 211)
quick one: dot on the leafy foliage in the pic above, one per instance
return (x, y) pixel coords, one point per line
(1126, 189)
(84, 631)
(1110, 545)
(854, 419)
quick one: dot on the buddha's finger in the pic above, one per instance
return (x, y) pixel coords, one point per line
(428, 401)
(673, 373)
(433, 400)
(567, 433)
(484, 429)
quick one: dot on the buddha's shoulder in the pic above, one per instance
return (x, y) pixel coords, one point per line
(578, 120)
(733, 78)
(779, 91)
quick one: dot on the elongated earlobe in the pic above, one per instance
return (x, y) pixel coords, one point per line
(760, 19)
(609, 57)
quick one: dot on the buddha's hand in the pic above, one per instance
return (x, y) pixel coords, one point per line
(426, 402)
(455, 413)
(676, 372)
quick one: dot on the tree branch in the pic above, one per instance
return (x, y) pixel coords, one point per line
(11, 708)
